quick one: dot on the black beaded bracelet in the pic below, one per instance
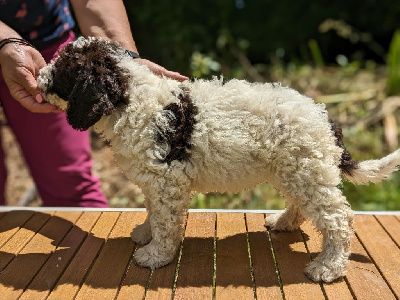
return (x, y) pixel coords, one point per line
(132, 54)
(16, 41)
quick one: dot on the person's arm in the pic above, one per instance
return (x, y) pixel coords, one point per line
(20, 65)
(108, 19)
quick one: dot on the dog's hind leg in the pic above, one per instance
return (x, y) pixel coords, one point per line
(168, 200)
(289, 220)
(332, 216)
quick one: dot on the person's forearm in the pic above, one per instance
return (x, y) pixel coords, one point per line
(7, 32)
(106, 19)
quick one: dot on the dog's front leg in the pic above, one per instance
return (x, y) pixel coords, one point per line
(141, 234)
(167, 202)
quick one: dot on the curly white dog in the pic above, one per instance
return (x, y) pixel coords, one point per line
(172, 138)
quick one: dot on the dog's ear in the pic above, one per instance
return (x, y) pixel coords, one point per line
(86, 106)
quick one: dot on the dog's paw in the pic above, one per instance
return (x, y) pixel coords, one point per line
(141, 234)
(270, 221)
(150, 257)
(278, 222)
(317, 272)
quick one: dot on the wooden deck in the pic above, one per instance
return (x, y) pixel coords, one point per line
(89, 255)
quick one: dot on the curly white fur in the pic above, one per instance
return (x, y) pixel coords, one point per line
(245, 134)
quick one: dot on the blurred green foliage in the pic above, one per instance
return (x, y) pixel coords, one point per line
(170, 31)
(282, 41)
(393, 80)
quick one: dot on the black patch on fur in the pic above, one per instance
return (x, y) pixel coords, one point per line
(89, 78)
(347, 164)
(180, 127)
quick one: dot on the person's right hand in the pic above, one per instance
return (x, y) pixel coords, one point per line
(20, 65)
(161, 71)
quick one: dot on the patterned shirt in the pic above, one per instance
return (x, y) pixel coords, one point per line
(38, 21)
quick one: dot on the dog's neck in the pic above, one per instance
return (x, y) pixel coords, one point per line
(146, 100)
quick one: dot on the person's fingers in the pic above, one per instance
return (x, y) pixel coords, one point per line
(27, 80)
(175, 75)
(161, 71)
(39, 98)
(30, 103)
(33, 106)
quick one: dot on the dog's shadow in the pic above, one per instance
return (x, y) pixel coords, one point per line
(246, 259)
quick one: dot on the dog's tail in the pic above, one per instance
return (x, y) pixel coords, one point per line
(374, 171)
(367, 171)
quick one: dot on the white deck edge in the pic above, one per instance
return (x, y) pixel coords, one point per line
(85, 209)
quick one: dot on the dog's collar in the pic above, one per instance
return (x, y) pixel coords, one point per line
(132, 54)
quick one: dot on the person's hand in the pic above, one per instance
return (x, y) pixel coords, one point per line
(20, 65)
(161, 71)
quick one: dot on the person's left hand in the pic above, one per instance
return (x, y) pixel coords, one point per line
(161, 71)
(20, 65)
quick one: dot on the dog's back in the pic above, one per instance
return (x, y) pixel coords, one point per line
(244, 131)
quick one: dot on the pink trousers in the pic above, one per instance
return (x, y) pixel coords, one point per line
(58, 157)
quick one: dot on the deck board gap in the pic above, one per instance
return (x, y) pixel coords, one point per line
(376, 265)
(214, 284)
(128, 266)
(350, 288)
(97, 255)
(305, 244)
(387, 232)
(278, 274)
(148, 284)
(51, 253)
(250, 259)
(185, 220)
(75, 253)
(321, 285)
(27, 241)
(19, 228)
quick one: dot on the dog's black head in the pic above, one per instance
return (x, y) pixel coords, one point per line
(86, 74)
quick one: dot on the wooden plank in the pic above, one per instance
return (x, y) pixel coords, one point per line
(363, 277)
(134, 285)
(104, 279)
(265, 276)
(195, 278)
(70, 282)
(292, 258)
(44, 281)
(11, 222)
(381, 248)
(391, 225)
(162, 281)
(21, 237)
(18, 274)
(337, 289)
(233, 273)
